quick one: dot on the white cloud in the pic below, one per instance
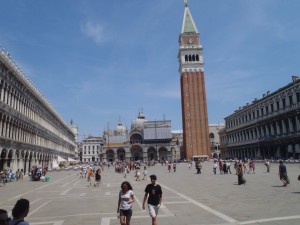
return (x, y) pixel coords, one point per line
(94, 31)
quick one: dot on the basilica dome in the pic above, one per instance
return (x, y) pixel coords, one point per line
(120, 129)
(138, 122)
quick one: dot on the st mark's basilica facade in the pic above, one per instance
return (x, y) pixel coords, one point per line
(144, 141)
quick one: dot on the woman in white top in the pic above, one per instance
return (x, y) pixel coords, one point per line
(126, 197)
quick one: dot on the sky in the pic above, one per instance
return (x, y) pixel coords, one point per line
(101, 62)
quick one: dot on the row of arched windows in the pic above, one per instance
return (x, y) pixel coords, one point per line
(191, 58)
(271, 129)
(25, 159)
(277, 105)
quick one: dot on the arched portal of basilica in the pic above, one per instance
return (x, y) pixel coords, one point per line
(152, 155)
(163, 153)
(121, 154)
(110, 155)
(136, 152)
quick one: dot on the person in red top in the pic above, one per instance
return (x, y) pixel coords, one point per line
(169, 167)
(221, 166)
(89, 176)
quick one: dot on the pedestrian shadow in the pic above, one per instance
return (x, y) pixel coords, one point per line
(277, 186)
(295, 192)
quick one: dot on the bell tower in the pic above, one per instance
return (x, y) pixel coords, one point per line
(193, 94)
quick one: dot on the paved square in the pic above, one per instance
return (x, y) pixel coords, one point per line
(188, 198)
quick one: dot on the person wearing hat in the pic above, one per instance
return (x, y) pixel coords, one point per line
(283, 174)
(154, 194)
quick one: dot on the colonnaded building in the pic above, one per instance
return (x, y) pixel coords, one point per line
(31, 131)
(266, 128)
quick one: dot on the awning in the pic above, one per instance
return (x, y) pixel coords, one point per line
(54, 164)
(60, 159)
(72, 160)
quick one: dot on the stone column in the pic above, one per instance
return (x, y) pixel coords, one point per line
(283, 126)
(1, 125)
(297, 123)
(278, 127)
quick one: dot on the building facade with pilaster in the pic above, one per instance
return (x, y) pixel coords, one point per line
(214, 139)
(92, 148)
(31, 131)
(266, 128)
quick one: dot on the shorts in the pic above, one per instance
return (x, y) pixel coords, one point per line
(126, 213)
(153, 210)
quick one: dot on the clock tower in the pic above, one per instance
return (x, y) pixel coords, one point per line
(193, 95)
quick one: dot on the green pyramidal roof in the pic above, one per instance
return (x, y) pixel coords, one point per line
(188, 25)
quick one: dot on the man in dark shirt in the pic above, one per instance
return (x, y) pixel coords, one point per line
(154, 194)
(283, 174)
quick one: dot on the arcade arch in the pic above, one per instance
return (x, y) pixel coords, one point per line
(3, 155)
(136, 137)
(163, 153)
(121, 154)
(151, 153)
(136, 152)
(110, 155)
(9, 157)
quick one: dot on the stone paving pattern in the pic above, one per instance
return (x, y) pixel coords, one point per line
(188, 198)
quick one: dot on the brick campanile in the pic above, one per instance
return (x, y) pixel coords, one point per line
(193, 94)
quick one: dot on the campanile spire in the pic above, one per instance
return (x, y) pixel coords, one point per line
(193, 94)
(188, 24)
